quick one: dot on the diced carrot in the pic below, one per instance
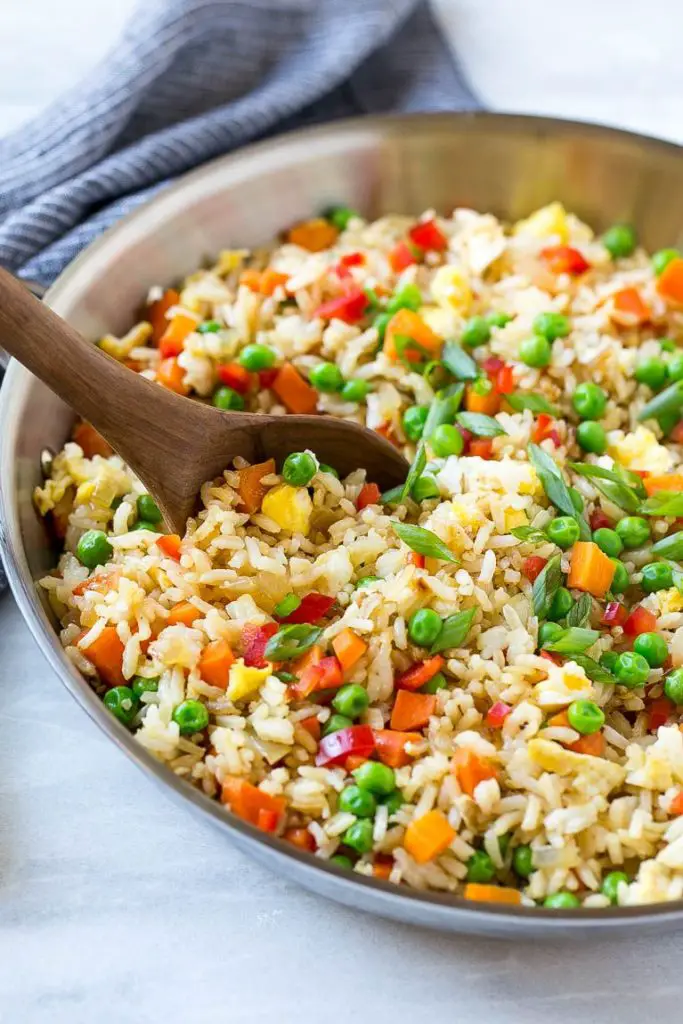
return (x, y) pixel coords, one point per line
(169, 545)
(295, 393)
(561, 720)
(312, 726)
(369, 494)
(386, 430)
(420, 673)
(542, 428)
(183, 613)
(326, 675)
(90, 441)
(103, 582)
(354, 761)
(156, 312)
(659, 712)
(676, 806)
(215, 662)
(314, 235)
(382, 867)
(590, 569)
(248, 802)
(171, 375)
(671, 482)
(563, 259)
(172, 341)
(470, 769)
(481, 893)
(407, 324)
(488, 404)
(556, 659)
(417, 560)
(401, 256)
(629, 309)
(670, 282)
(313, 656)
(391, 745)
(412, 710)
(250, 488)
(106, 654)
(593, 745)
(428, 836)
(482, 447)
(349, 648)
(263, 281)
(301, 838)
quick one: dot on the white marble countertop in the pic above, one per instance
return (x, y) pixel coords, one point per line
(116, 906)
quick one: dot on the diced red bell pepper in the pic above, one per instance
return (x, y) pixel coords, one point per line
(428, 235)
(562, 259)
(235, 377)
(532, 566)
(420, 673)
(640, 621)
(369, 494)
(676, 434)
(352, 259)
(325, 675)
(542, 427)
(171, 347)
(335, 748)
(659, 712)
(497, 714)
(481, 447)
(676, 806)
(417, 560)
(549, 656)
(467, 437)
(504, 384)
(599, 521)
(266, 377)
(267, 820)
(312, 608)
(349, 307)
(401, 256)
(254, 640)
(492, 366)
(614, 614)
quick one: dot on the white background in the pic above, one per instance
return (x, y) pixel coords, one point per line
(117, 907)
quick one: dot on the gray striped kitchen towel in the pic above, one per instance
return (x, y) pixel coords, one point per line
(191, 79)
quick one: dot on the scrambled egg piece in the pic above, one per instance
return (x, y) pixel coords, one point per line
(471, 473)
(120, 348)
(469, 515)
(229, 260)
(659, 766)
(442, 321)
(591, 776)
(639, 450)
(564, 684)
(290, 507)
(245, 681)
(669, 601)
(549, 220)
(514, 517)
(450, 287)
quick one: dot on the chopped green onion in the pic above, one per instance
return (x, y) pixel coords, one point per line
(424, 542)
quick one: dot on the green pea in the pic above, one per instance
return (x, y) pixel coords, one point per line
(190, 716)
(143, 524)
(561, 901)
(577, 500)
(667, 345)
(651, 371)
(619, 240)
(93, 549)
(497, 319)
(656, 576)
(673, 686)
(424, 488)
(652, 646)
(414, 419)
(551, 326)
(342, 861)
(608, 541)
(142, 684)
(257, 357)
(548, 631)
(591, 437)
(392, 802)
(376, 777)
(608, 660)
(620, 580)
(324, 468)
(446, 440)
(339, 216)
(523, 860)
(633, 531)
(299, 468)
(563, 531)
(560, 605)
(675, 367)
(209, 327)
(351, 700)
(355, 391)
(365, 581)
(407, 297)
(227, 398)
(662, 259)
(336, 722)
(610, 885)
(148, 508)
(359, 836)
(535, 351)
(589, 401)
(631, 669)
(585, 716)
(287, 605)
(477, 331)
(480, 867)
(122, 703)
(424, 627)
(380, 323)
(437, 682)
(326, 377)
(357, 801)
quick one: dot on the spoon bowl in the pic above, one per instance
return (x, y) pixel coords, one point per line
(171, 443)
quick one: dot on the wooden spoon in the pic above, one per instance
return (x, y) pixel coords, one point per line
(171, 443)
